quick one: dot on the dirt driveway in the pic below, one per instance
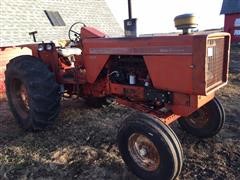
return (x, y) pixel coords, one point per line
(82, 143)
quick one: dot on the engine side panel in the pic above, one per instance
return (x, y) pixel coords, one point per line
(94, 65)
(96, 51)
(172, 73)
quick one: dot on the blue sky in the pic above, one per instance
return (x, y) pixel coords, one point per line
(156, 16)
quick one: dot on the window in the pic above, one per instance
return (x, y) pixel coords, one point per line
(237, 33)
(55, 18)
(237, 22)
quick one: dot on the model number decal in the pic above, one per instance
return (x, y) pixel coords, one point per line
(162, 50)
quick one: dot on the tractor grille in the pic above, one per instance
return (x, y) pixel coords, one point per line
(215, 62)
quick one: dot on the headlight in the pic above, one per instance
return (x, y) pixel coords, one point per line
(41, 47)
(49, 47)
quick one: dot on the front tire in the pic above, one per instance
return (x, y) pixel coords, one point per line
(150, 148)
(33, 94)
(205, 122)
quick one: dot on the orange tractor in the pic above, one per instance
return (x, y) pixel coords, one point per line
(166, 78)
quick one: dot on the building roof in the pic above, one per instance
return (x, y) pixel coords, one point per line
(19, 17)
(230, 7)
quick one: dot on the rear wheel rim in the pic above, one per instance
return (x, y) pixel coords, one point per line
(20, 98)
(143, 152)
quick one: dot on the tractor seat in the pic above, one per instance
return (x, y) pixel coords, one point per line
(66, 52)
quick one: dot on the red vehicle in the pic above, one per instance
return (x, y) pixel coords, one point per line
(165, 78)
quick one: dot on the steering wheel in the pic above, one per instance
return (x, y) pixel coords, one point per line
(74, 31)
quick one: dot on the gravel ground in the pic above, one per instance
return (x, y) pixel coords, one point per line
(82, 143)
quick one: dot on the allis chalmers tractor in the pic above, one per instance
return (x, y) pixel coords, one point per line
(165, 78)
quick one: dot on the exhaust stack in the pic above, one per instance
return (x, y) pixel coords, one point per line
(130, 24)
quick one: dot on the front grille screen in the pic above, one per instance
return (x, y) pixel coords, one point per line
(215, 62)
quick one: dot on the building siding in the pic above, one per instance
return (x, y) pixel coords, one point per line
(19, 17)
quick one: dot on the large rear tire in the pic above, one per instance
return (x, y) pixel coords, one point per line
(32, 91)
(150, 148)
(206, 121)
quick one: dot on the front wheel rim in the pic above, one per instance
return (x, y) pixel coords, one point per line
(143, 152)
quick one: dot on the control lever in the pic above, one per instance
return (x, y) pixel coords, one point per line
(33, 35)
